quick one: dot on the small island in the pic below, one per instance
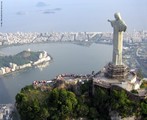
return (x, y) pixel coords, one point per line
(24, 59)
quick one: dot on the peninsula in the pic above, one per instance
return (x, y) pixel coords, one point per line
(24, 59)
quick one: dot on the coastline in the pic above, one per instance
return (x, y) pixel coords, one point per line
(13, 67)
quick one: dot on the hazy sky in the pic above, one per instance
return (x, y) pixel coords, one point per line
(71, 15)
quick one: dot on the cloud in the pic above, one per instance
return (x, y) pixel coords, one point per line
(21, 13)
(57, 9)
(41, 4)
(49, 11)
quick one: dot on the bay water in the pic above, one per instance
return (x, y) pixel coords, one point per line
(67, 58)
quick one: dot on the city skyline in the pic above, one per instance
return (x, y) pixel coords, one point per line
(71, 15)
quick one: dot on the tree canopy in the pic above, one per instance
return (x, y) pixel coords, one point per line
(21, 58)
(63, 104)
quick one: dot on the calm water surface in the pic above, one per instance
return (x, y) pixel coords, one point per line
(67, 58)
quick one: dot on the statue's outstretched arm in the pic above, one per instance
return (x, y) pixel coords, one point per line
(109, 20)
(112, 22)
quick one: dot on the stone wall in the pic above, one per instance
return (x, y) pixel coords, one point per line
(131, 96)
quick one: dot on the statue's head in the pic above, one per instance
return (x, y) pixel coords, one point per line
(117, 16)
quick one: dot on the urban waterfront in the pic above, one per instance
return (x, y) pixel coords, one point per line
(67, 58)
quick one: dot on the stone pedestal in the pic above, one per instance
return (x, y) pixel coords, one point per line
(116, 71)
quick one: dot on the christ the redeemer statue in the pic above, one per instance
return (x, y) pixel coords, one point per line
(118, 28)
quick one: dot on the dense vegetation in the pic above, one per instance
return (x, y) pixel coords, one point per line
(63, 104)
(19, 59)
(144, 84)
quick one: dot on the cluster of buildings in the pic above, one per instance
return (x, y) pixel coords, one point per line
(135, 57)
(106, 37)
(43, 57)
(24, 38)
(62, 81)
(128, 37)
(6, 111)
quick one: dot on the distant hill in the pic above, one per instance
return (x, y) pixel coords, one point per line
(19, 59)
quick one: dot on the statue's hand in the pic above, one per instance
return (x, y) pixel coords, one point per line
(109, 20)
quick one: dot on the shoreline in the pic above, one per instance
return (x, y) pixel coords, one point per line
(43, 58)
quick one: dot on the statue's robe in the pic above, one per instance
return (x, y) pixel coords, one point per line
(118, 28)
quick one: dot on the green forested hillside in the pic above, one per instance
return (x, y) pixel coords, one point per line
(65, 104)
(19, 59)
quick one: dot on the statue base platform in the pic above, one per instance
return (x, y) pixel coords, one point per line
(116, 71)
